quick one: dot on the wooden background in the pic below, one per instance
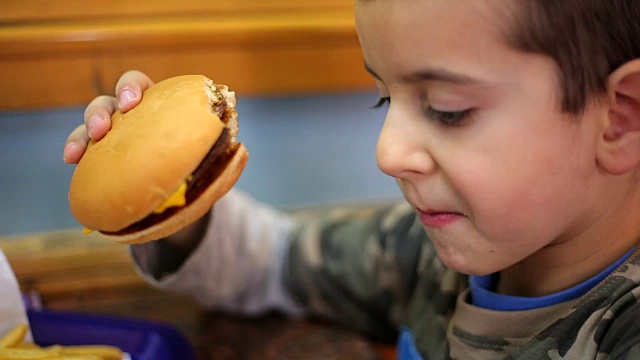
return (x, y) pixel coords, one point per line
(66, 52)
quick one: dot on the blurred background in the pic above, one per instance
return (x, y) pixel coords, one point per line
(304, 98)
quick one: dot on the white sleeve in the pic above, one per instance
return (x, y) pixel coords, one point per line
(239, 264)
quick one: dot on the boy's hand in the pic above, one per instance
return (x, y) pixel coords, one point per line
(97, 122)
(97, 115)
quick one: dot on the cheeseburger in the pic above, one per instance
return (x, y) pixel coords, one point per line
(163, 164)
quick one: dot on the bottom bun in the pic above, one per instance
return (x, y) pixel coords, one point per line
(196, 209)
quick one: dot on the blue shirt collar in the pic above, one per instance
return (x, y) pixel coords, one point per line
(483, 295)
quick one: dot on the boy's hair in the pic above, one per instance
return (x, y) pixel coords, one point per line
(588, 39)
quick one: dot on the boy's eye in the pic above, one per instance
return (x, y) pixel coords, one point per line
(448, 118)
(382, 102)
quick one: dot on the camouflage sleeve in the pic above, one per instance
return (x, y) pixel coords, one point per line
(619, 336)
(631, 353)
(357, 267)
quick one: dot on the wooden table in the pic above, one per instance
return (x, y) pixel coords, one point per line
(72, 271)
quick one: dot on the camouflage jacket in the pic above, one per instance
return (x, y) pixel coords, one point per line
(376, 271)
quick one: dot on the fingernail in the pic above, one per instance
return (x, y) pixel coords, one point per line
(125, 96)
(68, 151)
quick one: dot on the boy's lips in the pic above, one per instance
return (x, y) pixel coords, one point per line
(438, 218)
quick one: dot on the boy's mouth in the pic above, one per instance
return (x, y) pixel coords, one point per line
(438, 218)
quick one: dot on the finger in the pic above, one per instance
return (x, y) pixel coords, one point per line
(75, 145)
(97, 116)
(130, 87)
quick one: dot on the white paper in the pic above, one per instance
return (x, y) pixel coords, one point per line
(12, 310)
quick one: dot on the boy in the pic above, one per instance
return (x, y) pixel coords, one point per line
(513, 130)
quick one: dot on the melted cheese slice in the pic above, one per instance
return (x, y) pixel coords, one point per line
(177, 199)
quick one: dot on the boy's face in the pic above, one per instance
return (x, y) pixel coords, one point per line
(474, 134)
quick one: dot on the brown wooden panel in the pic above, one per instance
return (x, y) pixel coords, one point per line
(292, 51)
(246, 32)
(68, 261)
(47, 10)
(75, 81)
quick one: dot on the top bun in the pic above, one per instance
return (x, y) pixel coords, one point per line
(148, 153)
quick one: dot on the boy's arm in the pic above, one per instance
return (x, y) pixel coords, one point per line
(236, 267)
(358, 267)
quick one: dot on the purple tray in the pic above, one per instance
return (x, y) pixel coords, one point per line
(143, 340)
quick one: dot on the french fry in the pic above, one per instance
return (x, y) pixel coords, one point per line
(27, 345)
(103, 351)
(23, 354)
(13, 347)
(14, 337)
(79, 357)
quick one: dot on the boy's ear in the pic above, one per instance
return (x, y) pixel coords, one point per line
(619, 150)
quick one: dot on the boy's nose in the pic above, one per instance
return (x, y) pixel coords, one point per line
(402, 150)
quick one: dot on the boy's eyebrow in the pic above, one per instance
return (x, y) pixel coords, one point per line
(437, 74)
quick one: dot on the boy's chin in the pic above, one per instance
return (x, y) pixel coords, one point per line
(467, 263)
